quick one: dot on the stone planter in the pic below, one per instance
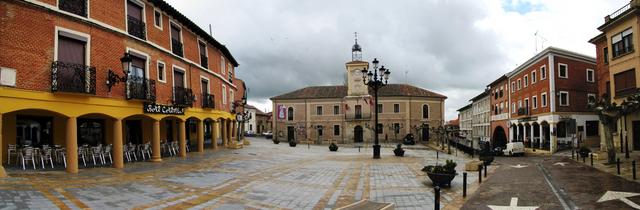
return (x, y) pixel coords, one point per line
(398, 152)
(333, 148)
(276, 141)
(441, 180)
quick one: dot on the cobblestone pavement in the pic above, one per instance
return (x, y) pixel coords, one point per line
(260, 176)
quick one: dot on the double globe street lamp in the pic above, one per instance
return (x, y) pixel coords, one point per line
(376, 79)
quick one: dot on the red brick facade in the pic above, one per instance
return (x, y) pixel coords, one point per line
(28, 45)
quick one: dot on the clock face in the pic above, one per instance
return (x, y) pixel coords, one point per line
(357, 75)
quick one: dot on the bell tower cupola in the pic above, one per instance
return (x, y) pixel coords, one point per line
(356, 50)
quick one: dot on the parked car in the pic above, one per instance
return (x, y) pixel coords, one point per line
(498, 151)
(268, 134)
(409, 140)
(514, 148)
(250, 133)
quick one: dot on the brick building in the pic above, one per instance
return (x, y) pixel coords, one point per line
(343, 113)
(499, 100)
(79, 72)
(549, 96)
(617, 63)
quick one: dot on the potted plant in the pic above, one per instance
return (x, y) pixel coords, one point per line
(333, 147)
(584, 151)
(441, 175)
(292, 143)
(276, 141)
(399, 151)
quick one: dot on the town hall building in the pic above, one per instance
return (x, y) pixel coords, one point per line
(344, 113)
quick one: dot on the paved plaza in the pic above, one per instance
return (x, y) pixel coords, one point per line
(261, 176)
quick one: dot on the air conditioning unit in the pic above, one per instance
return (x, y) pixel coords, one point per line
(7, 76)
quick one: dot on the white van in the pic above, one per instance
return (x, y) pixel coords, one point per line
(514, 148)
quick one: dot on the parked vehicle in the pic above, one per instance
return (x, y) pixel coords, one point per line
(250, 133)
(498, 151)
(268, 134)
(514, 148)
(409, 140)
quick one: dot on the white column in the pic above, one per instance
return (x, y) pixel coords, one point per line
(531, 134)
(540, 127)
(553, 143)
(517, 127)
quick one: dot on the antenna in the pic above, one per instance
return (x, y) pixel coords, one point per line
(210, 34)
(355, 34)
(542, 41)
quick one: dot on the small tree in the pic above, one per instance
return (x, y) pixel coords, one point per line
(609, 114)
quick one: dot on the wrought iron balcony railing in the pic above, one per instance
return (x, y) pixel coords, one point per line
(78, 7)
(208, 101)
(136, 27)
(182, 96)
(358, 116)
(73, 78)
(141, 88)
(176, 47)
(204, 61)
(523, 111)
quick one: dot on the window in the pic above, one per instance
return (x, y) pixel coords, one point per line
(606, 55)
(379, 106)
(526, 80)
(519, 104)
(513, 87)
(608, 89)
(513, 107)
(336, 130)
(564, 98)
(161, 72)
(358, 112)
(224, 94)
(204, 59)
(204, 85)
(230, 70)
(231, 98)
(543, 72)
(543, 97)
(501, 92)
(320, 132)
(336, 110)
(176, 40)
(534, 99)
(222, 65)
(157, 19)
(290, 114)
(78, 7)
(592, 128)
(425, 111)
(563, 71)
(591, 97)
(622, 43)
(379, 128)
(590, 75)
(519, 84)
(135, 19)
(495, 94)
(396, 128)
(319, 110)
(526, 103)
(72, 48)
(625, 82)
(534, 77)
(495, 109)
(396, 108)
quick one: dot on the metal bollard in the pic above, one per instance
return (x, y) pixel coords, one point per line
(618, 165)
(583, 159)
(633, 169)
(485, 170)
(572, 154)
(480, 175)
(591, 159)
(464, 184)
(437, 198)
(437, 154)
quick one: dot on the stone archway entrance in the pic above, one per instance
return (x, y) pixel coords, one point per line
(499, 138)
(358, 134)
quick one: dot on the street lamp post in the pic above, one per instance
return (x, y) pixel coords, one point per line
(376, 79)
(241, 117)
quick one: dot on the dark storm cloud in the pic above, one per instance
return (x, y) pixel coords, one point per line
(285, 45)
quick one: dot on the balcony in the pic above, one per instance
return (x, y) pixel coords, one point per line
(141, 88)
(208, 101)
(78, 7)
(523, 111)
(136, 27)
(182, 96)
(360, 116)
(73, 78)
(618, 12)
(176, 47)
(204, 61)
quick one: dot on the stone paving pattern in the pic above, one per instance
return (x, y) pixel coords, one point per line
(260, 176)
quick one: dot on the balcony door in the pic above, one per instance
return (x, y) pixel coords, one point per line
(178, 79)
(136, 87)
(71, 71)
(204, 84)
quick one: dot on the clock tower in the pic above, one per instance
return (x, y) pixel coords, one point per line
(355, 85)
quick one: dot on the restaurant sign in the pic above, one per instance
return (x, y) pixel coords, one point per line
(162, 109)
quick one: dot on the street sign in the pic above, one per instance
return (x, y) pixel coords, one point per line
(513, 206)
(622, 196)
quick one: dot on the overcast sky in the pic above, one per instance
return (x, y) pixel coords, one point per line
(452, 47)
